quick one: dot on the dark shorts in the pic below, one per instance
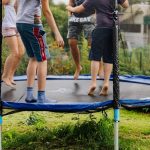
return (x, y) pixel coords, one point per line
(102, 45)
(34, 40)
(75, 29)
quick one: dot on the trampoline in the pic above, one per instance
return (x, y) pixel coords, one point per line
(72, 95)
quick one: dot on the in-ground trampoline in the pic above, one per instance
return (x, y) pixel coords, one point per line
(72, 95)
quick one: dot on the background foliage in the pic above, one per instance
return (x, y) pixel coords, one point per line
(61, 62)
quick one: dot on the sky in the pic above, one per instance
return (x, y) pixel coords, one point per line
(60, 1)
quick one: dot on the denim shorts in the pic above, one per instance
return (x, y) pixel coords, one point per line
(76, 28)
(102, 45)
(34, 40)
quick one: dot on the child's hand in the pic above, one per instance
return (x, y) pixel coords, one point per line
(59, 40)
(69, 8)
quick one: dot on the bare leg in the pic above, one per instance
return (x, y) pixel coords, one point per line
(94, 72)
(20, 53)
(107, 72)
(101, 70)
(31, 72)
(11, 61)
(89, 42)
(76, 56)
(41, 74)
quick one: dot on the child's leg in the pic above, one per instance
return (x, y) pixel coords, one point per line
(107, 72)
(31, 73)
(73, 43)
(41, 74)
(20, 51)
(101, 70)
(11, 61)
(94, 72)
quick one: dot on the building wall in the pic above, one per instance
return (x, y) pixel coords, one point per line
(132, 21)
(136, 40)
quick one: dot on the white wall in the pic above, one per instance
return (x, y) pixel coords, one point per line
(136, 39)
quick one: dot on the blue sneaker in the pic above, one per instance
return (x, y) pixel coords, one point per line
(31, 100)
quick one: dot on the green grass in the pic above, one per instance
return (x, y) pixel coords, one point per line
(135, 130)
(136, 62)
(45, 130)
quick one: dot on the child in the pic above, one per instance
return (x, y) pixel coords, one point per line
(102, 37)
(33, 36)
(13, 42)
(78, 23)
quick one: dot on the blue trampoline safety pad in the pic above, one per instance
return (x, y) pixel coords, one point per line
(71, 107)
(75, 107)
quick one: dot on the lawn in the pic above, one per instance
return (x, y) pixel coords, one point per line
(46, 130)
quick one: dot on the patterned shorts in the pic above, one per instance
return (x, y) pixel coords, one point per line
(78, 25)
(34, 40)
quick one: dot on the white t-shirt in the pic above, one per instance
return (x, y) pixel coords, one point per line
(28, 10)
(9, 20)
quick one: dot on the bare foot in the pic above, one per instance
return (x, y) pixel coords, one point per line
(13, 82)
(91, 90)
(104, 91)
(8, 83)
(77, 73)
